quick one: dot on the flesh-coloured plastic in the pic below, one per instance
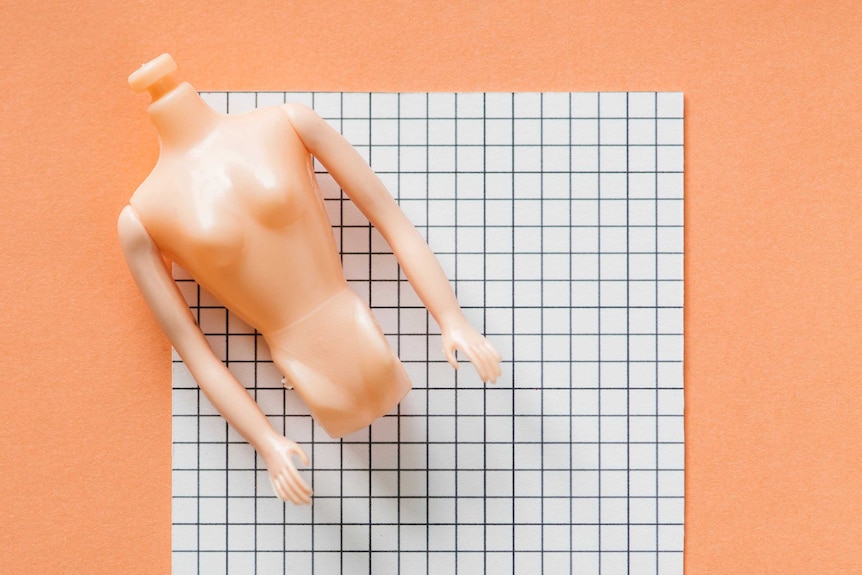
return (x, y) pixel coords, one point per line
(234, 200)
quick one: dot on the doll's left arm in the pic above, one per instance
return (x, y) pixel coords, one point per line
(417, 260)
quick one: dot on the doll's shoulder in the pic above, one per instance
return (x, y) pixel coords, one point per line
(154, 202)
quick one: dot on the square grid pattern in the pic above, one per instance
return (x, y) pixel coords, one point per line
(559, 221)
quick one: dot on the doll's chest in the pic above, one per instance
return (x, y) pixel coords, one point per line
(211, 202)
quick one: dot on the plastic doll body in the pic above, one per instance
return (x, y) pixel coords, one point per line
(234, 200)
(241, 212)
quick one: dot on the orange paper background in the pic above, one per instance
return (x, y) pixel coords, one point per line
(773, 155)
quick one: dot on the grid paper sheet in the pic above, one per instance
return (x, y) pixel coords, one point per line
(559, 221)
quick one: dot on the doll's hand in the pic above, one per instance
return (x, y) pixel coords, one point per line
(286, 480)
(482, 354)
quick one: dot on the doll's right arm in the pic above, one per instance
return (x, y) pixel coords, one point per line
(226, 394)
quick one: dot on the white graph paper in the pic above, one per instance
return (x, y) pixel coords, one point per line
(559, 220)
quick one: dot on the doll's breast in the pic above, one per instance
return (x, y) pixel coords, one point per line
(214, 236)
(255, 168)
(233, 205)
(269, 192)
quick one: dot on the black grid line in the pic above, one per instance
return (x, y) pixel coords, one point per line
(628, 360)
(570, 303)
(427, 387)
(599, 312)
(484, 328)
(565, 246)
(456, 294)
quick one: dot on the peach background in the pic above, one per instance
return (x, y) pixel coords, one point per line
(773, 155)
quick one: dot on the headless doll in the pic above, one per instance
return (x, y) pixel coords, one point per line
(234, 200)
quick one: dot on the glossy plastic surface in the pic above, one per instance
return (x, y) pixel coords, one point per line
(234, 200)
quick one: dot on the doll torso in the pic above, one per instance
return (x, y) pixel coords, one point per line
(240, 211)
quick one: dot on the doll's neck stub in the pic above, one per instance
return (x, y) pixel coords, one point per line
(178, 112)
(181, 117)
(156, 76)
